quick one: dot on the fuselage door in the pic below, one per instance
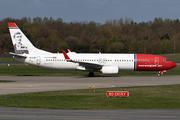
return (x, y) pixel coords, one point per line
(38, 60)
(156, 61)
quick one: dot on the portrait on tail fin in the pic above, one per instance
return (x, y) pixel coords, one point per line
(18, 46)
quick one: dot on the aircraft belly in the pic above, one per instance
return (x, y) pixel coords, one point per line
(66, 66)
(60, 65)
(126, 67)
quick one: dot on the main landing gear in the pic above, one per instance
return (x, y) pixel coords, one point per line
(91, 74)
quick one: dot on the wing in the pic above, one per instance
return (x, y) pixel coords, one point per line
(86, 65)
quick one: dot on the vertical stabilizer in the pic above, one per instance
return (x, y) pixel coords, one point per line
(21, 43)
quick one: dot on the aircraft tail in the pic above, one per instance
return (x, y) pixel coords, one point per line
(21, 43)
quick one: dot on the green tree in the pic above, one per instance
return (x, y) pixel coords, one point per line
(116, 47)
(165, 46)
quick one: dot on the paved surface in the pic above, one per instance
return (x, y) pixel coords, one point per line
(26, 84)
(10, 113)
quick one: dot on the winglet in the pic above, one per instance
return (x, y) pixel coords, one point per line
(69, 50)
(65, 55)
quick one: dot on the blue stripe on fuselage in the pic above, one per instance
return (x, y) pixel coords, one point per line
(134, 62)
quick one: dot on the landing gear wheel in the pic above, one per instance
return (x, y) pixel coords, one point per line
(159, 74)
(91, 74)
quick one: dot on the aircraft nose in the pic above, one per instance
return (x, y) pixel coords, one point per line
(173, 64)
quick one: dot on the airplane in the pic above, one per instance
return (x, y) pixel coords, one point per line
(105, 63)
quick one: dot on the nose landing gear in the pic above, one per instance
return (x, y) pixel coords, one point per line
(160, 72)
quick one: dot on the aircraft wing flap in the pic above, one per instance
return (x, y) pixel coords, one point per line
(89, 65)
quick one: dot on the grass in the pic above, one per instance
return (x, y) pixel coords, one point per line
(149, 97)
(23, 70)
(6, 81)
(172, 57)
(8, 60)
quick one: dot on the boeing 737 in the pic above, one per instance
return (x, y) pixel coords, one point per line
(105, 63)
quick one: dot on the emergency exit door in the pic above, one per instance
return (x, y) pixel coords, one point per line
(38, 60)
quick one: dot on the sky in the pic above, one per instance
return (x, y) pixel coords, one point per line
(91, 10)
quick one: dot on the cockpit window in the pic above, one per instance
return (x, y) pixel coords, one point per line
(166, 60)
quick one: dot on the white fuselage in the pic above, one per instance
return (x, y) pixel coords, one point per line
(57, 61)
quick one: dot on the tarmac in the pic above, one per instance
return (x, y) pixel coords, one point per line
(10, 113)
(26, 84)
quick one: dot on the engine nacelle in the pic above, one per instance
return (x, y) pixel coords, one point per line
(110, 70)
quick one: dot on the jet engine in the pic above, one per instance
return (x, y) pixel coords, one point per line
(110, 70)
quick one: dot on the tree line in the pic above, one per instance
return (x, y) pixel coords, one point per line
(114, 36)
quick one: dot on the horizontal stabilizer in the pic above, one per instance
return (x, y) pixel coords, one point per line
(18, 55)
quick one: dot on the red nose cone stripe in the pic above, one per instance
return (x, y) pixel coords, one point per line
(174, 64)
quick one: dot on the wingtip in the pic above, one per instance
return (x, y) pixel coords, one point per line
(68, 50)
(63, 51)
